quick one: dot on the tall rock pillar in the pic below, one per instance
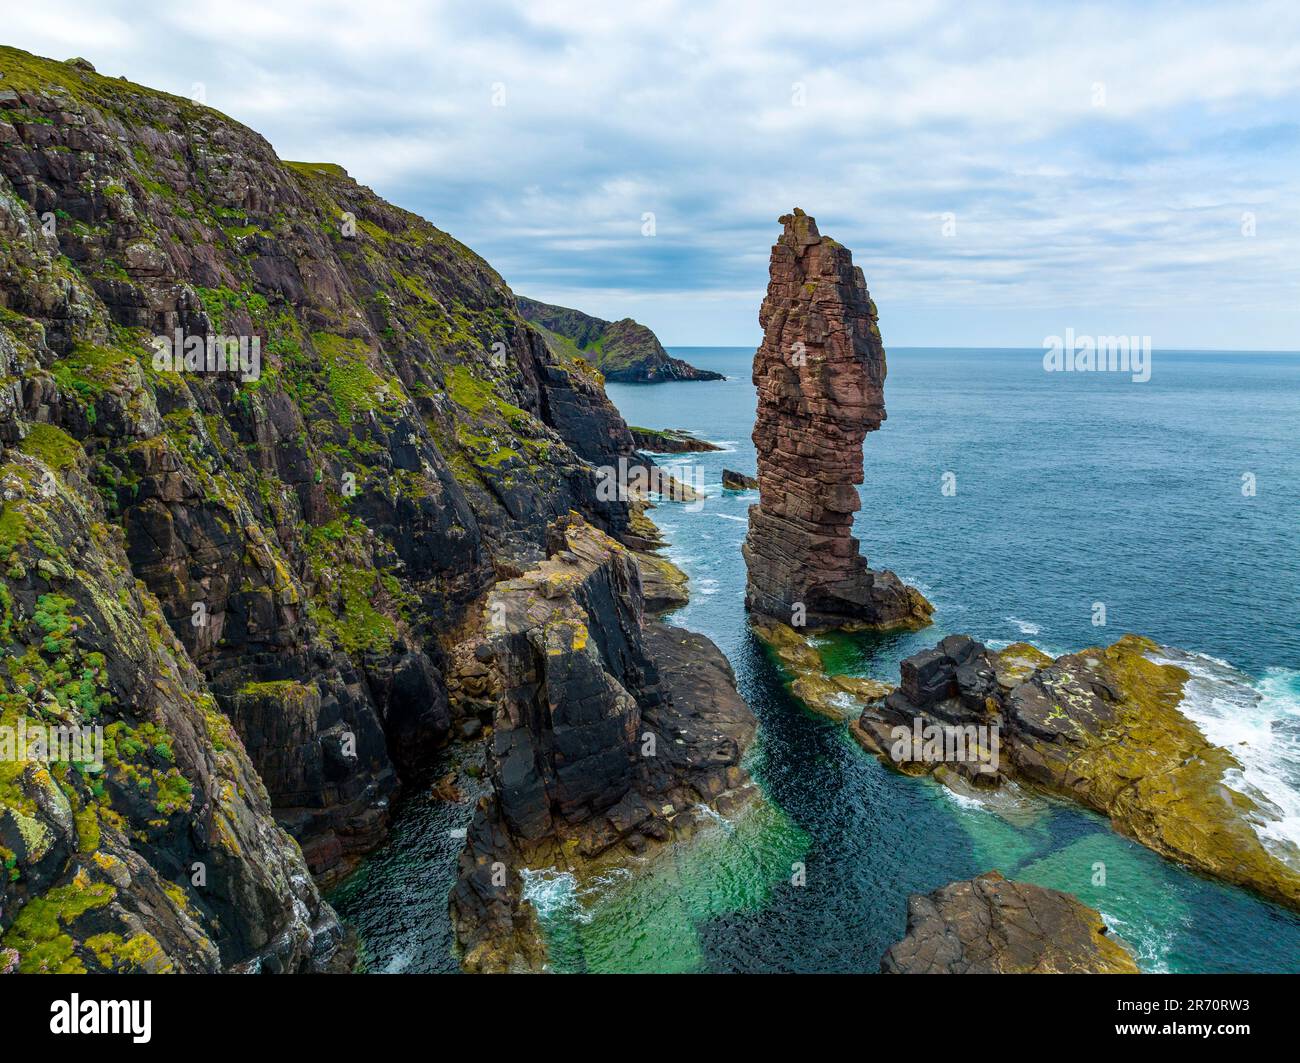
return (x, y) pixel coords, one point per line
(820, 374)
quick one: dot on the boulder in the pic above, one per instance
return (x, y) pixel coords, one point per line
(989, 925)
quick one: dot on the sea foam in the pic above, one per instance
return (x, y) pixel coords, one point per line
(1258, 721)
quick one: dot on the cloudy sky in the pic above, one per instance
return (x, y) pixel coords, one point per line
(1001, 171)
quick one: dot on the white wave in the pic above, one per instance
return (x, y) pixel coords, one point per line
(1150, 948)
(1025, 627)
(557, 893)
(924, 588)
(549, 890)
(399, 963)
(716, 816)
(728, 516)
(706, 586)
(965, 801)
(1258, 721)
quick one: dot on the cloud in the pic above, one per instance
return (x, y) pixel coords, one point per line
(1095, 160)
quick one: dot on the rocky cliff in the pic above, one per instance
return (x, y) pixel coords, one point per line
(820, 375)
(266, 441)
(624, 351)
(610, 733)
(988, 925)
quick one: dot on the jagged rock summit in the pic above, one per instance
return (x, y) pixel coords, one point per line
(820, 374)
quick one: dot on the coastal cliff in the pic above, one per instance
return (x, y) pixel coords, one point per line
(820, 375)
(251, 571)
(623, 351)
(613, 734)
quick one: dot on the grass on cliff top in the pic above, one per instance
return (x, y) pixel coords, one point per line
(316, 169)
(26, 72)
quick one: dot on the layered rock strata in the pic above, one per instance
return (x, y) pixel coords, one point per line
(247, 571)
(820, 375)
(609, 734)
(1101, 727)
(989, 925)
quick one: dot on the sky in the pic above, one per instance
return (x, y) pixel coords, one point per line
(1002, 171)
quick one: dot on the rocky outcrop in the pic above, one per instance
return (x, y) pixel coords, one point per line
(837, 697)
(669, 441)
(738, 481)
(989, 925)
(1101, 727)
(663, 584)
(623, 351)
(307, 527)
(820, 375)
(609, 733)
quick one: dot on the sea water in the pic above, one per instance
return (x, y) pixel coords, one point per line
(1027, 506)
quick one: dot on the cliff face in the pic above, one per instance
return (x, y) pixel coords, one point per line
(820, 375)
(242, 575)
(610, 732)
(624, 351)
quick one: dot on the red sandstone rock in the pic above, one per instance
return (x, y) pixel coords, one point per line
(820, 374)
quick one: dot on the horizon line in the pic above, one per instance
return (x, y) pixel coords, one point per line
(949, 347)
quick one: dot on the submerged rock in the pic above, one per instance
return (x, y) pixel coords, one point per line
(838, 697)
(1101, 727)
(989, 925)
(820, 374)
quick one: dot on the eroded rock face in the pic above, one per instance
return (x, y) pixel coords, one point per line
(167, 858)
(1101, 727)
(609, 733)
(820, 374)
(989, 925)
(304, 536)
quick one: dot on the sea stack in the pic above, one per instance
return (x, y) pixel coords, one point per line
(820, 374)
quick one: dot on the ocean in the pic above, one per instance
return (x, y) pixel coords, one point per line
(1060, 508)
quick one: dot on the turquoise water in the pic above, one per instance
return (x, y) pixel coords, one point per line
(1071, 490)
